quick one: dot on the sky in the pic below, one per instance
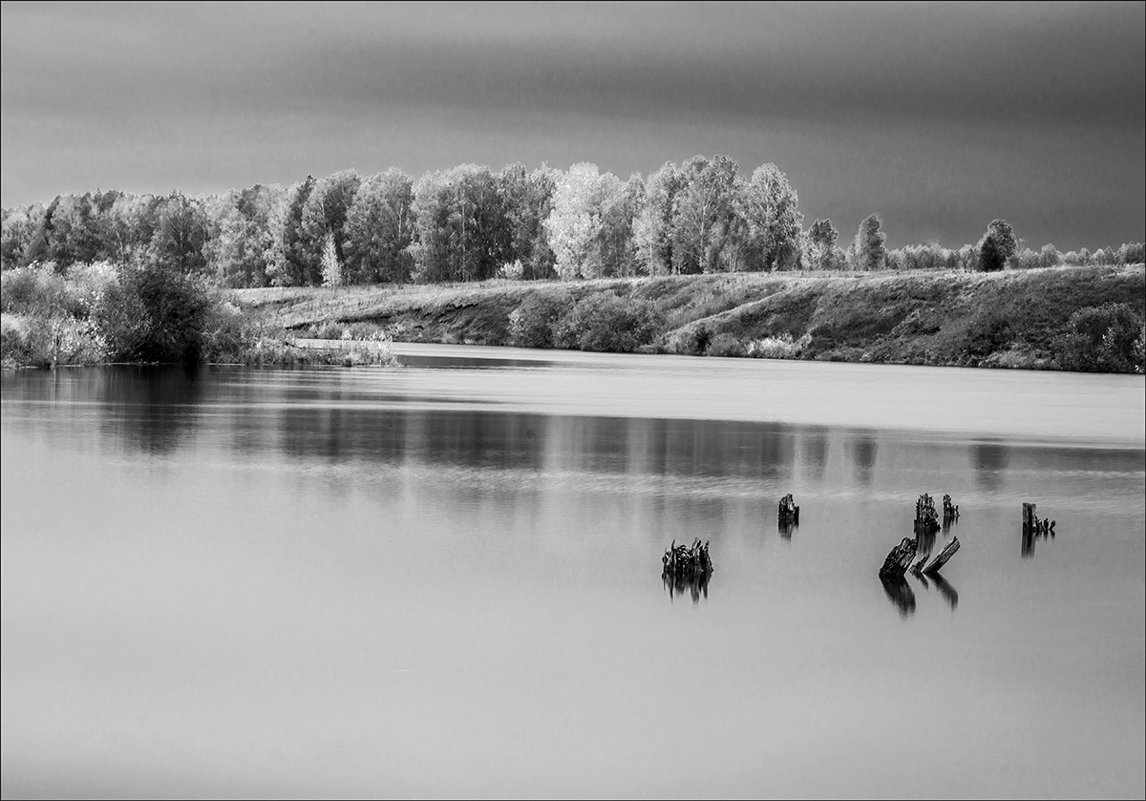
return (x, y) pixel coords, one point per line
(939, 117)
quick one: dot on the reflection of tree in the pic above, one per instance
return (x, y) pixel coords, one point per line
(989, 460)
(863, 452)
(150, 408)
(814, 448)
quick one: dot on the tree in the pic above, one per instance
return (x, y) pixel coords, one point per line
(770, 208)
(574, 224)
(620, 204)
(868, 251)
(706, 216)
(180, 234)
(823, 254)
(325, 213)
(997, 245)
(379, 228)
(526, 201)
(460, 224)
(653, 225)
(331, 264)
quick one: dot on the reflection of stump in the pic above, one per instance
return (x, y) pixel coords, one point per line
(899, 593)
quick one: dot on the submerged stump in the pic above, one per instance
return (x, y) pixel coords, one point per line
(926, 517)
(898, 559)
(687, 562)
(787, 512)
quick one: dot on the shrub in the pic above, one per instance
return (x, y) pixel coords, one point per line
(725, 345)
(609, 324)
(35, 289)
(533, 323)
(1105, 339)
(780, 347)
(329, 330)
(155, 315)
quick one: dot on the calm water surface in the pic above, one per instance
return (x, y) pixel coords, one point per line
(445, 580)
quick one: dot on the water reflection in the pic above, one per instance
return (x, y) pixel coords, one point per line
(946, 590)
(900, 594)
(990, 462)
(695, 585)
(863, 451)
(151, 408)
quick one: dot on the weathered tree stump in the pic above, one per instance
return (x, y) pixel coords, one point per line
(944, 556)
(1033, 528)
(685, 562)
(926, 518)
(898, 559)
(788, 513)
(950, 511)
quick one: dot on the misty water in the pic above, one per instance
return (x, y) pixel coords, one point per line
(445, 580)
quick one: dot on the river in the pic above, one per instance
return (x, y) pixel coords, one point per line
(444, 580)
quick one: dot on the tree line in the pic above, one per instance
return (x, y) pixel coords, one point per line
(470, 223)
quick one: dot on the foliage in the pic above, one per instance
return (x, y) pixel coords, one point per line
(532, 324)
(778, 347)
(868, 251)
(609, 323)
(154, 314)
(997, 246)
(1103, 339)
(771, 211)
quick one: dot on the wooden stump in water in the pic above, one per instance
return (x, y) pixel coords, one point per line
(948, 551)
(787, 512)
(898, 559)
(950, 511)
(926, 518)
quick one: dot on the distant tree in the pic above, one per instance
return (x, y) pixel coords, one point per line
(823, 254)
(620, 204)
(526, 200)
(868, 251)
(1049, 256)
(379, 228)
(997, 245)
(574, 224)
(244, 235)
(653, 224)
(708, 227)
(180, 234)
(325, 212)
(771, 212)
(460, 224)
(331, 264)
(18, 228)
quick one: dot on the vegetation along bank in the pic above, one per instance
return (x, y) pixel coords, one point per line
(1067, 318)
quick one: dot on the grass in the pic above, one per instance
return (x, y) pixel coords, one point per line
(1006, 319)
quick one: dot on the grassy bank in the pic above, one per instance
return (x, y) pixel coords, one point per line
(1081, 318)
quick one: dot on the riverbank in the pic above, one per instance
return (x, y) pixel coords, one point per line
(1082, 318)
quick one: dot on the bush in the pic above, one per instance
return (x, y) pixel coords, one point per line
(1103, 339)
(609, 324)
(725, 345)
(533, 323)
(36, 289)
(781, 347)
(155, 315)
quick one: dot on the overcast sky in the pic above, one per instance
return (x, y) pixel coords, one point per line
(939, 117)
